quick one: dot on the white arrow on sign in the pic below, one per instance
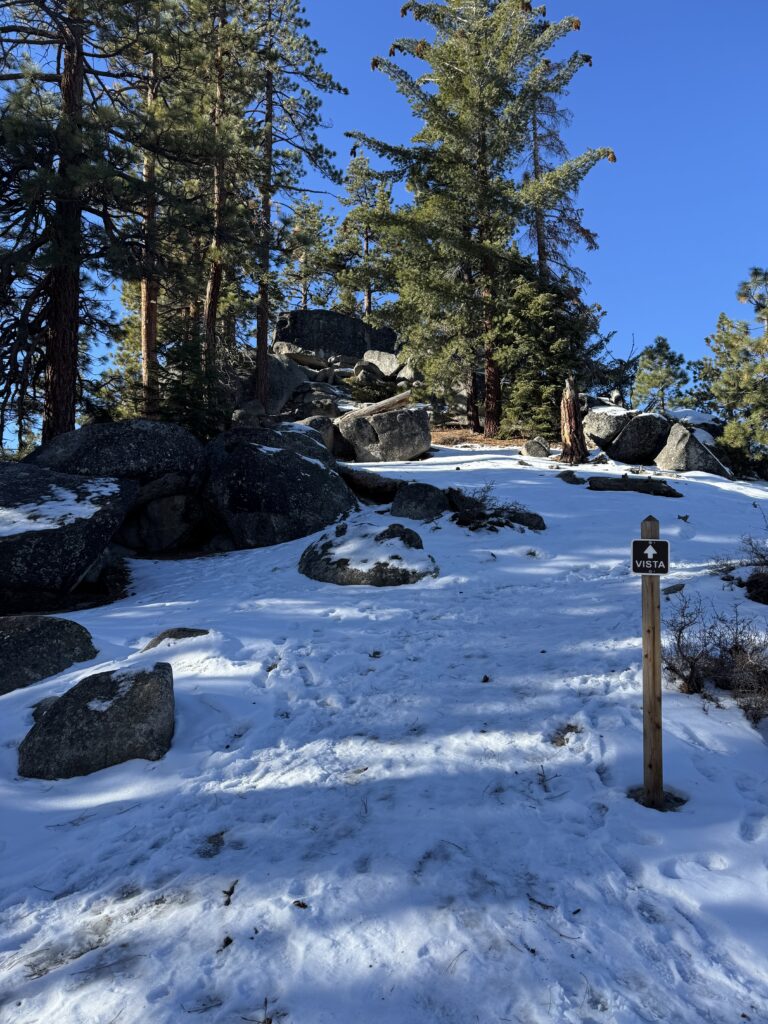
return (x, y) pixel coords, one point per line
(650, 551)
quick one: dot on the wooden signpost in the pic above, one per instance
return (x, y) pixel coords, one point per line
(650, 558)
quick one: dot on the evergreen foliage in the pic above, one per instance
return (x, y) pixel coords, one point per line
(459, 240)
(661, 376)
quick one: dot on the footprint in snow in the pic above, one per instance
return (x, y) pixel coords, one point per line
(753, 827)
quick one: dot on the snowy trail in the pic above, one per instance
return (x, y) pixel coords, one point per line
(364, 816)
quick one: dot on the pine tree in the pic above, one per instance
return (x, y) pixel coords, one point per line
(365, 268)
(288, 120)
(307, 279)
(732, 382)
(661, 375)
(755, 292)
(475, 102)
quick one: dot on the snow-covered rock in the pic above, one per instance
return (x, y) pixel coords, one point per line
(108, 718)
(368, 556)
(34, 647)
(53, 528)
(604, 423)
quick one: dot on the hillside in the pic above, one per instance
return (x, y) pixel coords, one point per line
(410, 804)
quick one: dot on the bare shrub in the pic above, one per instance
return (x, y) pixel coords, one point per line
(726, 651)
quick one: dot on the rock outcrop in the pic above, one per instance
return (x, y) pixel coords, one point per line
(274, 484)
(641, 440)
(328, 334)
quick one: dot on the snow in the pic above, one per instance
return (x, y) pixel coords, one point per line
(60, 508)
(363, 817)
(705, 437)
(362, 551)
(693, 416)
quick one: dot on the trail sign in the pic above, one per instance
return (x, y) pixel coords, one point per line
(650, 557)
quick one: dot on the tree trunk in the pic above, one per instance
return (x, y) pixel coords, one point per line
(492, 394)
(368, 294)
(473, 410)
(216, 270)
(63, 314)
(150, 282)
(574, 444)
(265, 246)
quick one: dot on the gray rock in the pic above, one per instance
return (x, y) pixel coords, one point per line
(250, 414)
(641, 440)
(179, 633)
(369, 556)
(569, 477)
(397, 436)
(642, 485)
(374, 487)
(106, 719)
(684, 453)
(329, 334)
(603, 424)
(166, 525)
(140, 450)
(537, 448)
(388, 364)
(420, 501)
(274, 485)
(57, 527)
(323, 425)
(315, 399)
(368, 376)
(34, 647)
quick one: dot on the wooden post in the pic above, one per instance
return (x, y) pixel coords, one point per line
(653, 779)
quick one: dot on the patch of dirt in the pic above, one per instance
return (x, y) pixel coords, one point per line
(453, 436)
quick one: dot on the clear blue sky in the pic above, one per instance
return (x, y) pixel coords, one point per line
(678, 90)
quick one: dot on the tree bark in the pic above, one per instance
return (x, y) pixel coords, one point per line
(473, 410)
(63, 314)
(574, 444)
(492, 394)
(265, 245)
(368, 294)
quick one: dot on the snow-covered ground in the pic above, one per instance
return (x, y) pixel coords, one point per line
(364, 820)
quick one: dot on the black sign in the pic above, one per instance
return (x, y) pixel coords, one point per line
(650, 557)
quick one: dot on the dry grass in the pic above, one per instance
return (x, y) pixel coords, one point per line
(453, 436)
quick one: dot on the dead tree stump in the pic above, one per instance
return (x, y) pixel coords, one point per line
(571, 427)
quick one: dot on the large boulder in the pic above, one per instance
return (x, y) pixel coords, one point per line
(106, 719)
(142, 450)
(420, 501)
(368, 556)
(641, 440)
(179, 522)
(53, 528)
(397, 436)
(274, 485)
(684, 452)
(329, 334)
(34, 647)
(387, 363)
(604, 423)
(284, 376)
(537, 448)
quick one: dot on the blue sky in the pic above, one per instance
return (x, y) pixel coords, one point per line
(677, 89)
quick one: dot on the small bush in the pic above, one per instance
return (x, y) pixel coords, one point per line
(726, 651)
